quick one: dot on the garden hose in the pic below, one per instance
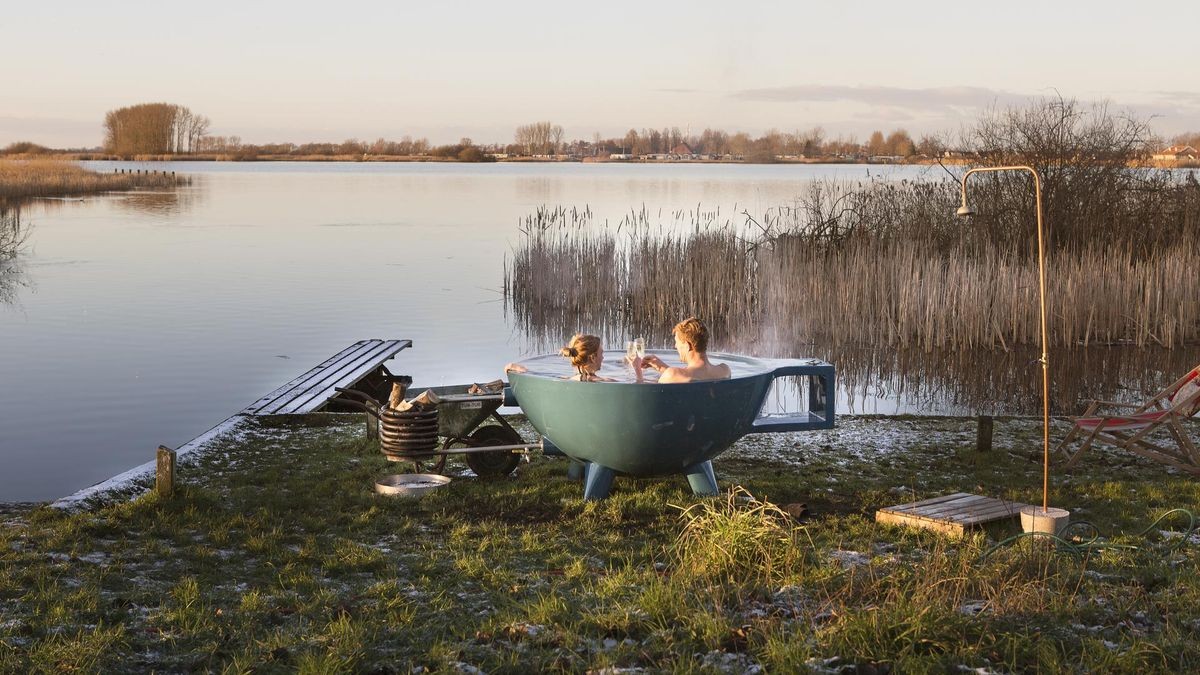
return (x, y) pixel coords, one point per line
(1078, 546)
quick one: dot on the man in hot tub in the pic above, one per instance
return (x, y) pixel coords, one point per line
(691, 341)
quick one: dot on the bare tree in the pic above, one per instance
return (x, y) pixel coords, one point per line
(556, 136)
(151, 128)
(182, 123)
(539, 138)
(876, 145)
(197, 130)
(1086, 159)
(900, 143)
(631, 143)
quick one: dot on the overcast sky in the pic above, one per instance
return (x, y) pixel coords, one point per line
(329, 71)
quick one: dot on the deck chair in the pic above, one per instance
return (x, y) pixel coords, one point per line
(1132, 430)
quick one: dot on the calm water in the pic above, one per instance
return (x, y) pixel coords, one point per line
(144, 319)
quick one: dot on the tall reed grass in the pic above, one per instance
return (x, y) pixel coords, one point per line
(56, 178)
(853, 267)
(901, 294)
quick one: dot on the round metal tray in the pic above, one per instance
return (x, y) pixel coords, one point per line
(410, 484)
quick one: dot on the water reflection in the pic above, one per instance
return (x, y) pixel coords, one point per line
(163, 204)
(978, 381)
(13, 237)
(889, 381)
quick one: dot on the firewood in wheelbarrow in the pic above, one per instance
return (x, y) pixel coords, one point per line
(399, 389)
(493, 387)
(427, 400)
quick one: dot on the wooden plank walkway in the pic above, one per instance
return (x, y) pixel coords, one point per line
(305, 394)
(314, 388)
(951, 514)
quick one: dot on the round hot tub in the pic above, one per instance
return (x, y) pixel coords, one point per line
(652, 429)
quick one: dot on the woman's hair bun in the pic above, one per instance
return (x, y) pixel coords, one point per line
(569, 352)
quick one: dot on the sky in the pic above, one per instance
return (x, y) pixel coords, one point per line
(303, 71)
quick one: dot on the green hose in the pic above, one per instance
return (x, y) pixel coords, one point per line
(1077, 546)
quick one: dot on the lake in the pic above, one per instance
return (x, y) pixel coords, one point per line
(142, 319)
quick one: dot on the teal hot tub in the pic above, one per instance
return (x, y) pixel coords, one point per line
(651, 429)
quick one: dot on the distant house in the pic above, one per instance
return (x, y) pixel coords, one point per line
(620, 156)
(1177, 153)
(683, 151)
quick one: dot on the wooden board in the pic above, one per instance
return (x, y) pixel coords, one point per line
(314, 388)
(952, 514)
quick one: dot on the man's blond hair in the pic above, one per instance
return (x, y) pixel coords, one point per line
(691, 331)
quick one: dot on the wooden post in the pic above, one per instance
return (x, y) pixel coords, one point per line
(983, 439)
(164, 482)
(372, 427)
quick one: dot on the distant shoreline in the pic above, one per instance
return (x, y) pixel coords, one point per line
(366, 159)
(227, 157)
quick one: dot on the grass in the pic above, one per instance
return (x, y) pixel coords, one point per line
(20, 179)
(276, 556)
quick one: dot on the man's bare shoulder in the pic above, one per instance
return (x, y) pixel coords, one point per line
(674, 376)
(716, 371)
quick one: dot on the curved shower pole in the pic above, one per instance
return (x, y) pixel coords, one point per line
(966, 210)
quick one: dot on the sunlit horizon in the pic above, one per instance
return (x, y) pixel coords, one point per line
(269, 72)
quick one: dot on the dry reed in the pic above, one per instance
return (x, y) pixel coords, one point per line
(55, 178)
(840, 285)
(899, 294)
(569, 275)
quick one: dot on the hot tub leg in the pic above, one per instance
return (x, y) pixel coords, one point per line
(702, 479)
(597, 481)
(576, 470)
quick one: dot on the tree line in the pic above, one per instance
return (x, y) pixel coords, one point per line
(153, 128)
(166, 128)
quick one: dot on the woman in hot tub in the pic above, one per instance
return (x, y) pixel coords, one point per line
(586, 355)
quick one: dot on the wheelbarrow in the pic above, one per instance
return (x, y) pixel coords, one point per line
(490, 450)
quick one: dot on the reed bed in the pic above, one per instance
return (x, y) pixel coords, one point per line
(751, 282)
(900, 294)
(57, 178)
(571, 275)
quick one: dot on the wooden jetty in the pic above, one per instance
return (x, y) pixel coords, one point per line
(359, 366)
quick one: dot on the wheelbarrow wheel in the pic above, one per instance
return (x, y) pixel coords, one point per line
(493, 464)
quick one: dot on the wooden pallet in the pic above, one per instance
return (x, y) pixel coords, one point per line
(313, 389)
(951, 514)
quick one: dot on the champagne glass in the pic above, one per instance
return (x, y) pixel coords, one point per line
(630, 351)
(639, 346)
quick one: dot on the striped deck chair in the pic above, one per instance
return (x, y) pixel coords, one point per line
(1132, 431)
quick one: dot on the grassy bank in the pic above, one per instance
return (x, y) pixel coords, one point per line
(20, 179)
(276, 556)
